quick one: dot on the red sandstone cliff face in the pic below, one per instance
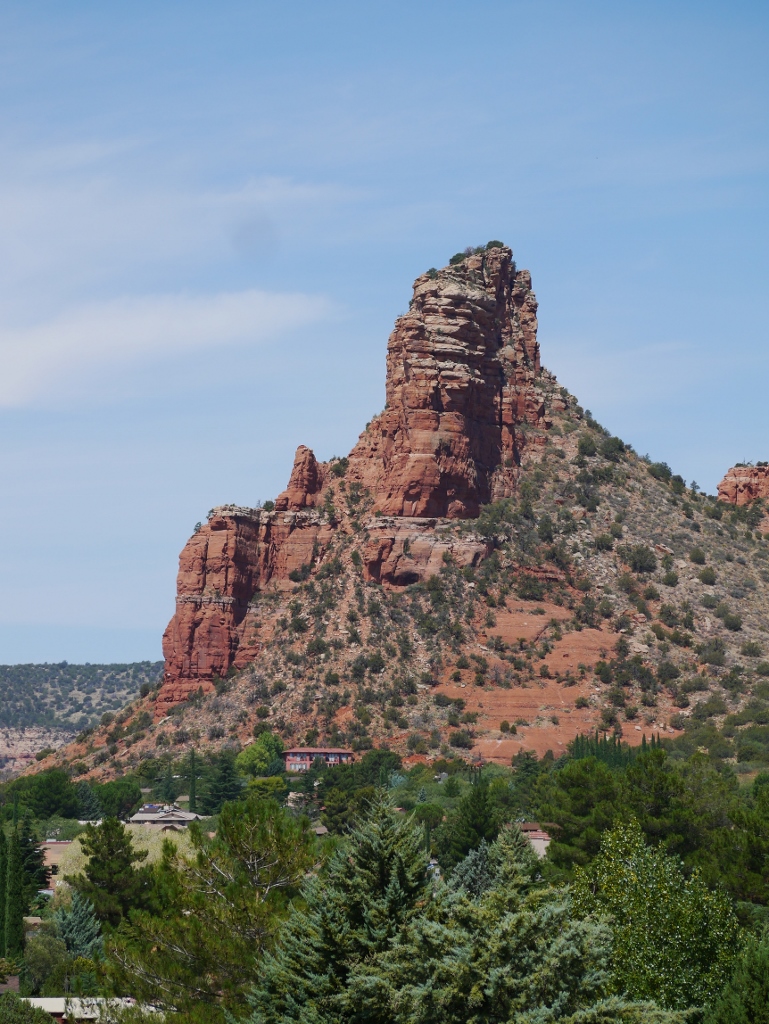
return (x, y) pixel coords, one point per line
(462, 369)
(463, 376)
(743, 484)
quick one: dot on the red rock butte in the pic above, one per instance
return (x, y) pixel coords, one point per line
(744, 484)
(463, 399)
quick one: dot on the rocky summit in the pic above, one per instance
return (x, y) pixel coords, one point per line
(744, 484)
(489, 570)
(465, 396)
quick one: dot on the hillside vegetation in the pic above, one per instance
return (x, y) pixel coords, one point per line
(615, 597)
(67, 696)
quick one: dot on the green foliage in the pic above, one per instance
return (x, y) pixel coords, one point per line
(639, 557)
(78, 927)
(369, 945)
(3, 884)
(89, 807)
(226, 783)
(712, 652)
(373, 887)
(44, 955)
(608, 749)
(612, 449)
(47, 794)
(582, 800)
(587, 446)
(259, 755)
(34, 873)
(111, 881)
(14, 898)
(474, 820)
(193, 782)
(218, 910)
(14, 1010)
(745, 998)
(55, 695)
(119, 798)
(674, 939)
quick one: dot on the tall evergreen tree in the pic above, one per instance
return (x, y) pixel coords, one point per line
(78, 927)
(168, 786)
(375, 883)
(193, 790)
(475, 820)
(225, 785)
(35, 874)
(374, 944)
(3, 879)
(14, 898)
(88, 803)
(111, 880)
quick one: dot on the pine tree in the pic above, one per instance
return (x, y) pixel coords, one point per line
(193, 774)
(516, 953)
(475, 820)
(111, 881)
(225, 785)
(78, 927)
(375, 884)
(14, 899)
(89, 806)
(218, 911)
(745, 999)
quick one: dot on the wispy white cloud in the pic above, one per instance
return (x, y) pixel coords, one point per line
(93, 220)
(44, 360)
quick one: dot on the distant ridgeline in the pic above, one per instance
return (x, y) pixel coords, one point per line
(69, 696)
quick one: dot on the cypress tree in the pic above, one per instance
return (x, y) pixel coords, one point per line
(14, 899)
(35, 874)
(3, 875)
(193, 801)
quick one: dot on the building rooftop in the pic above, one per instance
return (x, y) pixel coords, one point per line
(318, 750)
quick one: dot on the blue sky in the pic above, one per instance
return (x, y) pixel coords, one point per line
(212, 213)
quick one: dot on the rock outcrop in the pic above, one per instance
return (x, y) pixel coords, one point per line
(463, 400)
(744, 484)
(462, 373)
